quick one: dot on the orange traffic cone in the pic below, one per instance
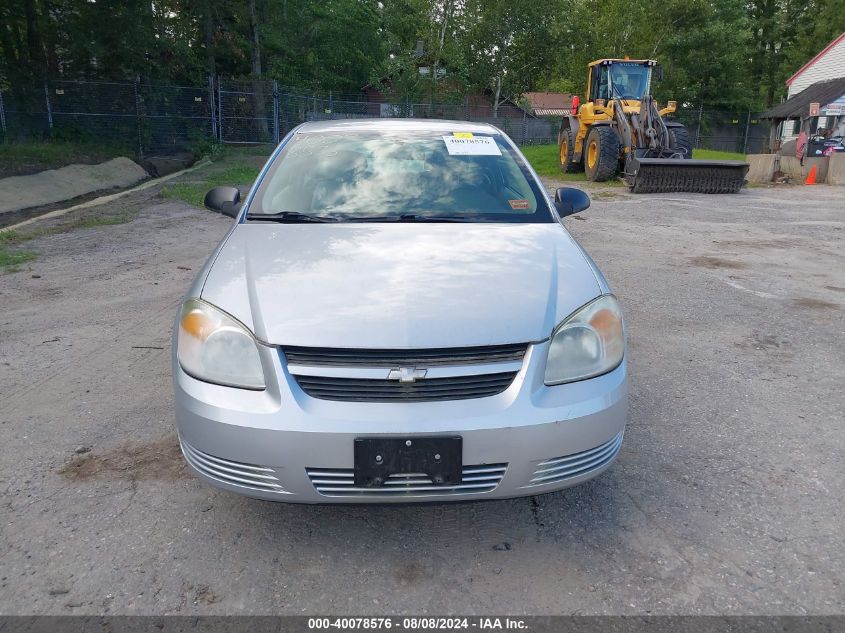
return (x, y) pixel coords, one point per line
(811, 177)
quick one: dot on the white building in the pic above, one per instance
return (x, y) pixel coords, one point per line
(828, 64)
(817, 81)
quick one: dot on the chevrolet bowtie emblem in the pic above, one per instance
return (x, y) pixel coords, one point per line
(406, 374)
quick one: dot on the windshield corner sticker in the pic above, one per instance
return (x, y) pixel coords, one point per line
(462, 134)
(518, 204)
(475, 146)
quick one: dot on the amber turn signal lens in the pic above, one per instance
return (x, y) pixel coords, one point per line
(197, 325)
(607, 323)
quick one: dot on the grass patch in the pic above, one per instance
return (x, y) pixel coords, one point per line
(252, 150)
(32, 157)
(604, 195)
(11, 237)
(11, 259)
(15, 237)
(544, 160)
(95, 220)
(238, 173)
(712, 154)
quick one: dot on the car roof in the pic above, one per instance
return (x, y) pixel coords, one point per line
(396, 125)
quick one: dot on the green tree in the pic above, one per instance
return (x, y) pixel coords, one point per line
(715, 53)
(704, 52)
(423, 50)
(775, 31)
(827, 23)
(321, 46)
(506, 45)
(702, 46)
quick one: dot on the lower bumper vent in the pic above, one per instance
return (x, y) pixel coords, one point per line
(226, 471)
(577, 464)
(340, 482)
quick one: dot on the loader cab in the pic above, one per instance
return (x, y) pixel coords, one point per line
(619, 79)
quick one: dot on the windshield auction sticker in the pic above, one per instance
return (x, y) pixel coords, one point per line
(475, 146)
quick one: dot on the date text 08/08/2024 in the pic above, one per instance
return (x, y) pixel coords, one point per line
(418, 623)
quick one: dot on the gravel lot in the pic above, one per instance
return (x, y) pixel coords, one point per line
(727, 498)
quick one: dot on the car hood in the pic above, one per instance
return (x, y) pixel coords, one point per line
(400, 285)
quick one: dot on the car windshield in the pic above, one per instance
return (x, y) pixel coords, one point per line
(402, 176)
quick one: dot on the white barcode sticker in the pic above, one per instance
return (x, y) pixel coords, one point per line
(475, 146)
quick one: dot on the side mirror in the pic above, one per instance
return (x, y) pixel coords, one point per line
(658, 72)
(225, 200)
(569, 200)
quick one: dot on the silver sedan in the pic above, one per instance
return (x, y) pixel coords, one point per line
(398, 314)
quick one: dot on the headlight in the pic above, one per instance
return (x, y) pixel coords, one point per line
(214, 347)
(588, 343)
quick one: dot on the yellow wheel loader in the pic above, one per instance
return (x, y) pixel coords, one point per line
(620, 130)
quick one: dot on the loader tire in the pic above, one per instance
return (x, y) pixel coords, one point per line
(679, 139)
(601, 154)
(566, 152)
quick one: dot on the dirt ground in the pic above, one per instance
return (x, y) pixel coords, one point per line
(727, 497)
(53, 186)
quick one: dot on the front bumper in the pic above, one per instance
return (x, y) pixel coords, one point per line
(283, 445)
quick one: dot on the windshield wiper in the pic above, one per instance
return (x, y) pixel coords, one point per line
(293, 217)
(406, 217)
(370, 218)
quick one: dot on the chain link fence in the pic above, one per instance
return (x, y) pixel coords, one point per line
(248, 111)
(744, 132)
(147, 119)
(140, 118)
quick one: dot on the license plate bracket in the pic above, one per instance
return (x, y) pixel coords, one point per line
(376, 458)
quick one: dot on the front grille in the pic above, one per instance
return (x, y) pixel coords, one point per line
(340, 482)
(424, 390)
(233, 473)
(331, 357)
(577, 464)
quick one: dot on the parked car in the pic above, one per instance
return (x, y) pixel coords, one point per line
(825, 146)
(398, 314)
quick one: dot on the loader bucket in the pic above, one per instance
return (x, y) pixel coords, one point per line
(659, 175)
